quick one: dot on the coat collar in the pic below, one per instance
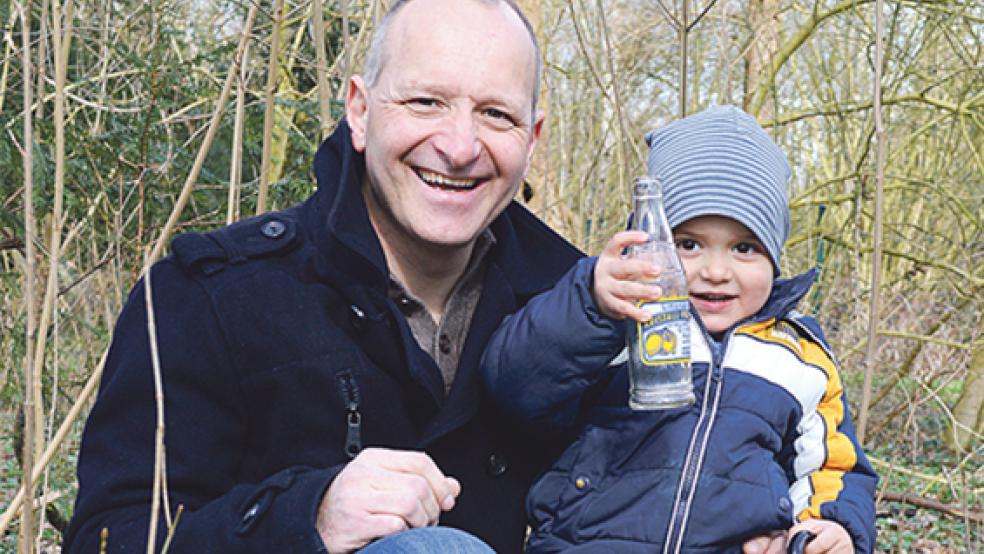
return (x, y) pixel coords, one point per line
(786, 294)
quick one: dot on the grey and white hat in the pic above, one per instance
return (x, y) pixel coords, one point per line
(721, 162)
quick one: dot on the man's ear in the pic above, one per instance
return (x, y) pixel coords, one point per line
(535, 131)
(357, 111)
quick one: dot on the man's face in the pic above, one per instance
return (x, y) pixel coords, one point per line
(447, 129)
(729, 272)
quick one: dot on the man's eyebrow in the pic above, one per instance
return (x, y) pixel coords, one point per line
(487, 99)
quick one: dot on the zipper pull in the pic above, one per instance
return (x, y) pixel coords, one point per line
(349, 391)
(353, 435)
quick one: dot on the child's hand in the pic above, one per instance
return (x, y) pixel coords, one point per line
(618, 281)
(773, 543)
(831, 538)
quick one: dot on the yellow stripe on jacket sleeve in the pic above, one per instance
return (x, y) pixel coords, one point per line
(828, 480)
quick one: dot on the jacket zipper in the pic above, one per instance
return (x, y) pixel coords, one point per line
(695, 453)
(349, 390)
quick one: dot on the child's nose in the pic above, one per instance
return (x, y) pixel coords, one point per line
(716, 269)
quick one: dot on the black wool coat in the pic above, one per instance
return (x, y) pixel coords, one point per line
(281, 356)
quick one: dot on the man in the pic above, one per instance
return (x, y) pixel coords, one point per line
(320, 364)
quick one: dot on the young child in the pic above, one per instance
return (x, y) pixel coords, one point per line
(767, 450)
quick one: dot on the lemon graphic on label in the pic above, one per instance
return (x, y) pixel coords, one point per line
(662, 342)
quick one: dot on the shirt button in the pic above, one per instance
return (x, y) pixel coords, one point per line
(273, 229)
(582, 483)
(497, 465)
(444, 343)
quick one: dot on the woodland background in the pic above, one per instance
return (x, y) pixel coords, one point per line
(136, 121)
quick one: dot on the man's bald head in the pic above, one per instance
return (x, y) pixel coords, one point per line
(377, 55)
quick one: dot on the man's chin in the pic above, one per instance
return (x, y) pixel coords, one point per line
(448, 241)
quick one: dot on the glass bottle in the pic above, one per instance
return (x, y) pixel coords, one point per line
(659, 349)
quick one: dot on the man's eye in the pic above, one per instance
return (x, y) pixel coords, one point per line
(423, 102)
(498, 117)
(686, 244)
(496, 114)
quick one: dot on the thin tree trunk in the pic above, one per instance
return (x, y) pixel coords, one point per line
(159, 488)
(103, 64)
(343, 6)
(682, 36)
(62, 43)
(876, 254)
(42, 65)
(763, 19)
(321, 58)
(236, 164)
(273, 74)
(27, 461)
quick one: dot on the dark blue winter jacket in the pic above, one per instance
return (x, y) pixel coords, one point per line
(769, 440)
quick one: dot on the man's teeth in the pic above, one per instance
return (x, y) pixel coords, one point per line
(445, 181)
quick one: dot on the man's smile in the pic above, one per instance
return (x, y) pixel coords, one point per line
(445, 182)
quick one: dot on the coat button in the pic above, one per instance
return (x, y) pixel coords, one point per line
(273, 229)
(250, 513)
(582, 483)
(785, 504)
(497, 465)
(357, 317)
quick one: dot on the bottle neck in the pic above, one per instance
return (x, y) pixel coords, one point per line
(647, 204)
(649, 216)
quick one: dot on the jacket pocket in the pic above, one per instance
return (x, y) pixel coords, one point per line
(563, 487)
(632, 506)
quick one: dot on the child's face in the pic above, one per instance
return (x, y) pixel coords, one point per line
(729, 273)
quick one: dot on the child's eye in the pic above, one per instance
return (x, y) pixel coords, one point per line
(687, 244)
(747, 248)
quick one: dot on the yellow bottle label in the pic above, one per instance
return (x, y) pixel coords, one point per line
(665, 338)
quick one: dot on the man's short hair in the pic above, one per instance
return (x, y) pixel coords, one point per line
(375, 58)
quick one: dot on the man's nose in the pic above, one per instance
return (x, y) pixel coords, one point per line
(458, 141)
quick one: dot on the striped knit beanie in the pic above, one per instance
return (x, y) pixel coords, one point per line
(720, 162)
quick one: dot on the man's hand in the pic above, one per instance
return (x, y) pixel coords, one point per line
(381, 492)
(831, 538)
(618, 281)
